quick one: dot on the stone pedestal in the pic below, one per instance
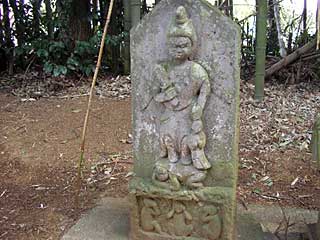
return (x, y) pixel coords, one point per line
(207, 213)
(185, 75)
(314, 230)
(110, 220)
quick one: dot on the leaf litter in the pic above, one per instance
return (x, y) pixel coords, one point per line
(275, 136)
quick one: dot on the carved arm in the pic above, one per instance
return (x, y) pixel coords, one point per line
(188, 215)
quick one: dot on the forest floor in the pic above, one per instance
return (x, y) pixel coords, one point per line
(40, 128)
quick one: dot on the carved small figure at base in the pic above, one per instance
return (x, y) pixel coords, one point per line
(149, 212)
(211, 221)
(163, 178)
(179, 217)
(172, 176)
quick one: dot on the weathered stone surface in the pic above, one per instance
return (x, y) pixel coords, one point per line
(318, 227)
(185, 74)
(315, 142)
(315, 229)
(107, 221)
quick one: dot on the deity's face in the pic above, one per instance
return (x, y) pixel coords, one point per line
(180, 48)
(161, 173)
(179, 208)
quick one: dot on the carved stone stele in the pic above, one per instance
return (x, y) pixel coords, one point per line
(185, 75)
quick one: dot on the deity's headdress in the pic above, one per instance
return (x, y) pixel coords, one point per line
(182, 26)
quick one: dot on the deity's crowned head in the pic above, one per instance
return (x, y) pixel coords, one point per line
(182, 36)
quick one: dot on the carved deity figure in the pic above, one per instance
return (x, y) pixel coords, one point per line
(211, 222)
(149, 212)
(180, 220)
(184, 88)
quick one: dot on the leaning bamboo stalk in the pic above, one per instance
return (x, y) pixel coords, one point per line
(85, 125)
(290, 58)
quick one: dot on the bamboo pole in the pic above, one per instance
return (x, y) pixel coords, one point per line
(135, 10)
(127, 26)
(85, 125)
(262, 8)
(318, 24)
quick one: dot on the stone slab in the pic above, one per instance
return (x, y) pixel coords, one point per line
(312, 233)
(110, 221)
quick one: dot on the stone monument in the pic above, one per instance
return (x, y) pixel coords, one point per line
(318, 228)
(315, 142)
(185, 75)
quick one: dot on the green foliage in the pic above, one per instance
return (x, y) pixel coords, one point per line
(42, 36)
(57, 58)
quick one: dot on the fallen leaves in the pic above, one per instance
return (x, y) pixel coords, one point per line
(33, 85)
(273, 134)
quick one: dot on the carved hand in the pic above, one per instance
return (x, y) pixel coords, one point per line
(196, 112)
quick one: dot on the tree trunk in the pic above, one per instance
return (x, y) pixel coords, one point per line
(290, 37)
(115, 48)
(94, 14)
(144, 7)
(6, 24)
(49, 18)
(127, 26)
(304, 16)
(8, 36)
(36, 17)
(262, 8)
(290, 58)
(102, 12)
(135, 11)
(1, 30)
(283, 51)
(318, 24)
(231, 8)
(79, 20)
(272, 43)
(19, 16)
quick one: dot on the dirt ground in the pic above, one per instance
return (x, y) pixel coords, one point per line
(39, 151)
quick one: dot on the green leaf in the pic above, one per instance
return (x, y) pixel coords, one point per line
(88, 70)
(56, 71)
(257, 190)
(42, 53)
(63, 70)
(48, 67)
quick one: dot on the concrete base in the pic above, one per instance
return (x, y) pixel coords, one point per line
(110, 221)
(312, 233)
